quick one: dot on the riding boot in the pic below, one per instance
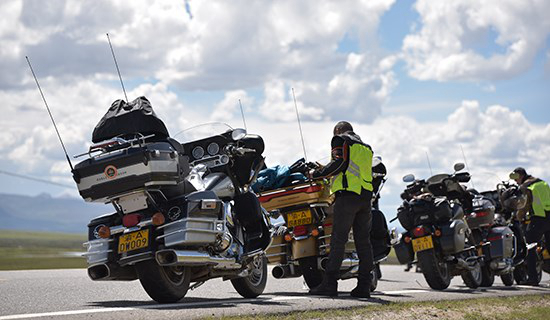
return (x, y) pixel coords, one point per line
(362, 290)
(329, 287)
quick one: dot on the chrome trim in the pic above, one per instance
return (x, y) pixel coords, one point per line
(275, 254)
(278, 245)
(189, 219)
(300, 237)
(324, 237)
(188, 257)
(188, 229)
(91, 253)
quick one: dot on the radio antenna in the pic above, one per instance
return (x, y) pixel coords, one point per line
(429, 164)
(50, 113)
(299, 125)
(242, 114)
(117, 69)
(467, 167)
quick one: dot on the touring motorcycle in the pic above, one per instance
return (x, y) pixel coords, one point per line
(183, 212)
(436, 231)
(301, 243)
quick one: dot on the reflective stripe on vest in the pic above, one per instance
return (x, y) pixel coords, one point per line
(541, 198)
(358, 175)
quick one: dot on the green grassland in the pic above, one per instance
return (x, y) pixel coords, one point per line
(531, 307)
(20, 250)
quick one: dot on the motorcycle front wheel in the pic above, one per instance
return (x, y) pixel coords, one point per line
(163, 284)
(254, 284)
(436, 272)
(487, 276)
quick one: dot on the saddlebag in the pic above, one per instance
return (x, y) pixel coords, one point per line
(502, 243)
(379, 235)
(453, 236)
(403, 251)
(151, 165)
(483, 214)
(424, 211)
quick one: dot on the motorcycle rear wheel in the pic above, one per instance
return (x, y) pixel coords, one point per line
(310, 271)
(374, 280)
(472, 278)
(254, 284)
(436, 272)
(487, 276)
(163, 284)
(507, 278)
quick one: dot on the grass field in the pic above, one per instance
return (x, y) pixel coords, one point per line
(529, 307)
(21, 250)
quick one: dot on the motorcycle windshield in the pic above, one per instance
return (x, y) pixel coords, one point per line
(202, 131)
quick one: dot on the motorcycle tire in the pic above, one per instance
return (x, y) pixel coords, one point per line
(254, 284)
(436, 272)
(310, 271)
(373, 280)
(507, 278)
(520, 273)
(163, 284)
(472, 278)
(487, 276)
(378, 270)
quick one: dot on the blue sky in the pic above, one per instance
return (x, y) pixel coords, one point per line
(410, 84)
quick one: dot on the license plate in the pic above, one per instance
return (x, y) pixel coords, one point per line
(133, 241)
(299, 218)
(423, 243)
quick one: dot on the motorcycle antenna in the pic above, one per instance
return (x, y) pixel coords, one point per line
(50, 113)
(116, 65)
(299, 125)
(242, 114)
(429, 164)
(467, 167)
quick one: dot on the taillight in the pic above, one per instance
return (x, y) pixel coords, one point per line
(481, 214)
(419, 231)
(300, 231)
(131, 220)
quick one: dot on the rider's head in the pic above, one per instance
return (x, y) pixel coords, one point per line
(342, 127)
(519, 175)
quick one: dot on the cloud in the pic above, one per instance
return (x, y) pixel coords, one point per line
(449, 45)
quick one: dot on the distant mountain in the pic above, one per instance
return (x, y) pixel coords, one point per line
(45, 213)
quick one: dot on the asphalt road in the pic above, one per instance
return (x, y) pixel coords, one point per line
(69, 294)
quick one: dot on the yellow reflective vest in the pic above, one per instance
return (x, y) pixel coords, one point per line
(541, 198)
(358, 174)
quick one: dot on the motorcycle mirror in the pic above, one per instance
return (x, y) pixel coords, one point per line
(376, 160)
(238, 134)
(409, 178)
(459, 166)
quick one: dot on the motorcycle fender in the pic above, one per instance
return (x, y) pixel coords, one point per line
(453, 237)
(304, 248)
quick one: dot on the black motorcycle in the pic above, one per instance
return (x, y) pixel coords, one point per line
(183, 211)
(433, 217)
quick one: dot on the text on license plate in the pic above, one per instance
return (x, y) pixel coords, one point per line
(133, 241)
(299, 218)
(423, 243)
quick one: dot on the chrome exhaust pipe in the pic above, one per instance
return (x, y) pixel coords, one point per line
(109, 271)
(193, 258)
(99, 272)
(285, 271)
(346, 263)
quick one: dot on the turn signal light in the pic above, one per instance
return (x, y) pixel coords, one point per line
(158, 219)
(407, 239)
(314, 232)
(288, 237)
(437, 233)
(104, 232)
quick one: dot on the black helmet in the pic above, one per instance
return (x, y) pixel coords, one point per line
(513, 199)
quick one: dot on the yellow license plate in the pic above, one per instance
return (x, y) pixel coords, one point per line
(299, 218)
(133, 241)
(423, 243)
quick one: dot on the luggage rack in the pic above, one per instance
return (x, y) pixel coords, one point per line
(106, 147)
(314, 192)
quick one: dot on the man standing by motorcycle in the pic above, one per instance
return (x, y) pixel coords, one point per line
(537, 211)
(351, 173)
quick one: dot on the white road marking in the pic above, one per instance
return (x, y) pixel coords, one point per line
(174, 305)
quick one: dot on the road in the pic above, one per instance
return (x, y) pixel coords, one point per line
(69, 294)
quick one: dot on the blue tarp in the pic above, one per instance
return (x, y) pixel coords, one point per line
(276, 177)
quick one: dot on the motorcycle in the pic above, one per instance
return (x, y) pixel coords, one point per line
(183, 211)
(436, 231)
(301, 242)
(491, 223)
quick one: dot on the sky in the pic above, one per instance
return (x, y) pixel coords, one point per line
(425, 83)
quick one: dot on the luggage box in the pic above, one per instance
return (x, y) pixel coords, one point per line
(483, 214)
(453, 237)
(403, 251)
(502, 243)
(105, 176)
(304, 193)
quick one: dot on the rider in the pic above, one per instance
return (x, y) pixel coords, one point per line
(351, 172)
(537, 211)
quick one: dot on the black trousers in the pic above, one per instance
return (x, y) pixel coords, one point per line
(351, 210)
(538, 227)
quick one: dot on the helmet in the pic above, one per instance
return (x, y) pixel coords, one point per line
(513, 199)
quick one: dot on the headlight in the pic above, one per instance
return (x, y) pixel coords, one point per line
(213, 149)
(198, 152)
